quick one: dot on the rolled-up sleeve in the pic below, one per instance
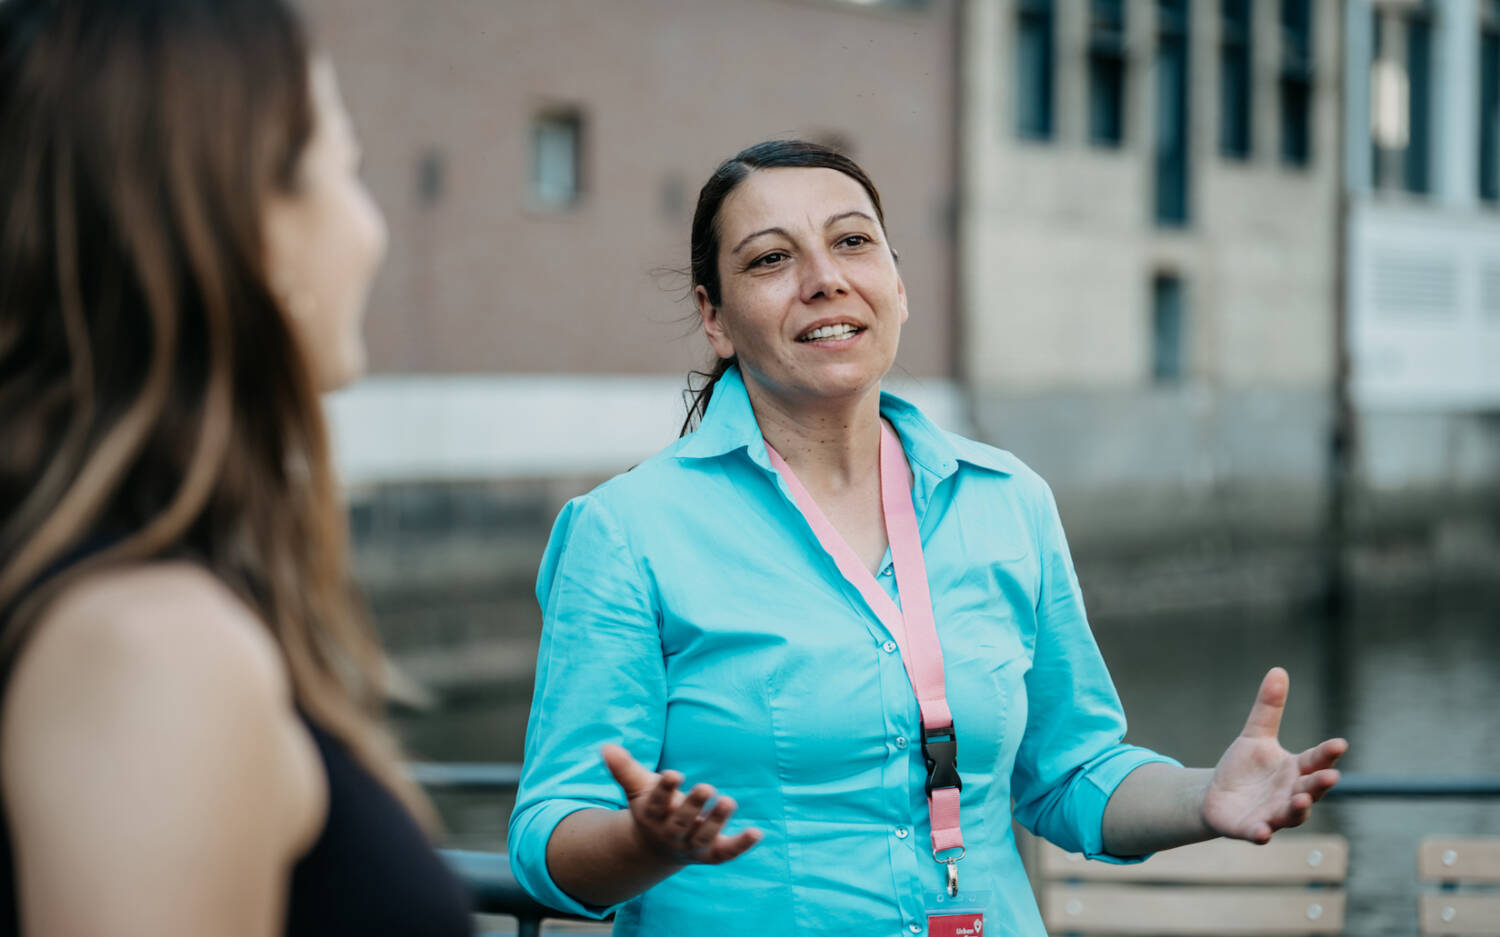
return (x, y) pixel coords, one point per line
(600, 678)
(1072, 756)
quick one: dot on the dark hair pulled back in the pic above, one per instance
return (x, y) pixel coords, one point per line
(772, 154)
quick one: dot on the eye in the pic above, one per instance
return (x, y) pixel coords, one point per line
(854, 240)
(769, 259)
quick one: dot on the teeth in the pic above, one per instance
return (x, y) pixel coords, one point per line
(830, 331)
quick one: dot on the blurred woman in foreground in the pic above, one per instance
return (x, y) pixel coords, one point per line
(189, 740)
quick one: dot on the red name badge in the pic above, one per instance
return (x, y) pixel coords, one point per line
(956, 925)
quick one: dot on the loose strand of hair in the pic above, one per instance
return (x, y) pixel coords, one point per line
(698, 398)
(98, 478)
(63, 463)
(57, 520)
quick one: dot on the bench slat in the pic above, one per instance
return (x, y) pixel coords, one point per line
(1459, 859)
(1167, 911)
(1285, 860)
(1461, 915)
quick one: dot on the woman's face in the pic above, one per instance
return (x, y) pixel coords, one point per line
(325, 240)
(810, 298)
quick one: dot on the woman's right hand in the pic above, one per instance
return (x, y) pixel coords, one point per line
(677, 826)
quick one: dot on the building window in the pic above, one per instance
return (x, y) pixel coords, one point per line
(1034, 38)
(1172, 112)
(1489, 102)
(557, 159)
(1387, 103)
(1167, 323)
(1402, 97)
(1236, 82)
(1296, 81)
(1417, 166)
(1107, 72)
(431, 177)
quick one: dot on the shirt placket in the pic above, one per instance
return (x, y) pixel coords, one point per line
(903, 766)
(901, 770)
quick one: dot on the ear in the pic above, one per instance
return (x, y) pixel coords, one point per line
(901, 297)
(713, 324)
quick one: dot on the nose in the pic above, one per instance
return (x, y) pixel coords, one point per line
(822, 277)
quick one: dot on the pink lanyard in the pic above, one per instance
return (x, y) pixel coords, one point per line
(911, 625)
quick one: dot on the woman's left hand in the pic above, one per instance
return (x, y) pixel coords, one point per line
(1258, 787)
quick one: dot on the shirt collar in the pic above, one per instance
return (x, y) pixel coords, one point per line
(729, 425)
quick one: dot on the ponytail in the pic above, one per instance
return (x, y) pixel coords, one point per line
(697, 398)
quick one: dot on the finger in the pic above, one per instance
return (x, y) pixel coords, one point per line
(1323, 755)
(685, 817)
(1260, 833)
(1296, 812)
(630, 774)
(658, 804)
(703, 836)
(1270, 702)
(732, 847)
(1318, 783)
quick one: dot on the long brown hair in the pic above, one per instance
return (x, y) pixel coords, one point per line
(771, 154)
(154, 400)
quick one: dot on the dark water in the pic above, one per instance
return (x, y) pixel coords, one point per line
(1413, 683)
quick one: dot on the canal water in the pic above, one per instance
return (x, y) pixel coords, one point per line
(1413, 682)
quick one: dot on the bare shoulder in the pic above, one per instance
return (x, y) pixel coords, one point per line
(132, 670)
(161, 653)
(156, 689)
(162, 621)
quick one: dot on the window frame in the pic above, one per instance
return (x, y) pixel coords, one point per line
(1108, 72)
(1036, 70)
(1237, 80)
(1298, 81)
(572, 120)
(1173, 145)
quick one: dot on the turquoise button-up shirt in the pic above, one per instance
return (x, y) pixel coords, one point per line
(690, 614)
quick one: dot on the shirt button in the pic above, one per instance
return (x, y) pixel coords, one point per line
(889, 647)
(902, 832)
(886, 571)
(914, 927)
(900, 741)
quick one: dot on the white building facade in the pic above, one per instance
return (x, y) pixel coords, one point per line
(1422, 170)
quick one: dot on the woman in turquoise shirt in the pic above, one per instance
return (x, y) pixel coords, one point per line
(695, 626)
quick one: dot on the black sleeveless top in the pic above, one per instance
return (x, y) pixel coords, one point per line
(371, 872)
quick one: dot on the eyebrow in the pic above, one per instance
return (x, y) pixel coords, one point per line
(832, 219)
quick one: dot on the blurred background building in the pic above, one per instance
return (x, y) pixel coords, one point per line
(539, 165)
(1422, 259)
(531, 333)
(1226, 272)
(1149, 234)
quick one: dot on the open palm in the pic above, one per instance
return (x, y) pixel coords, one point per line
(1258, 787)
(686, 827)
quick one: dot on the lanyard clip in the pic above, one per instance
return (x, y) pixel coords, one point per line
(940, 751)
(952, 863)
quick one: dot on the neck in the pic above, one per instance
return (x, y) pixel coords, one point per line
(832, 444)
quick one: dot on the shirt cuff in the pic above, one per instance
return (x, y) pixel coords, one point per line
(529, 834)
(1102, 777)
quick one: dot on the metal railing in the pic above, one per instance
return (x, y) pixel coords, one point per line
(496, 891)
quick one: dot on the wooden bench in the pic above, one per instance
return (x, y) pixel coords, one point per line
(1292, 885)
(1451, 862)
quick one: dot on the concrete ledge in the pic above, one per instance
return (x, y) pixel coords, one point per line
(414, 428)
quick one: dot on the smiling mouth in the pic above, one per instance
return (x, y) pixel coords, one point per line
(830, 333)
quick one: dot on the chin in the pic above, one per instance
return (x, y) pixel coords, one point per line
(338, 374)
(846, 382)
